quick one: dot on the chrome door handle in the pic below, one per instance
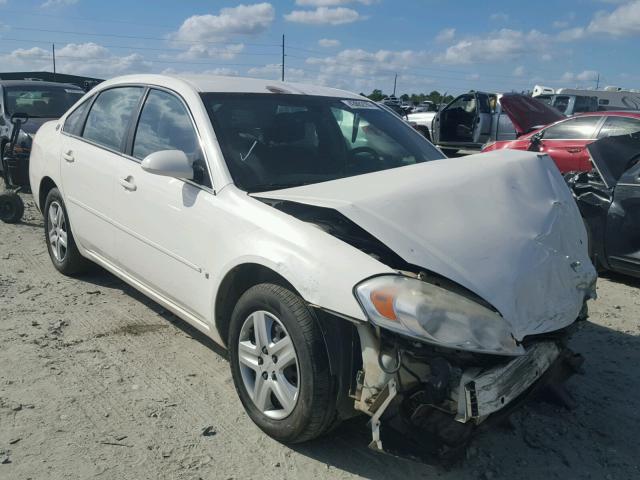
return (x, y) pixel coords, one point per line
(68, 156)
(128, 184)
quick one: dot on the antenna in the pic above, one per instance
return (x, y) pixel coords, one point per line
(53, 50)
(395, 81)
(282, 75)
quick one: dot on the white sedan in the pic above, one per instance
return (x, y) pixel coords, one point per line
(346, 265)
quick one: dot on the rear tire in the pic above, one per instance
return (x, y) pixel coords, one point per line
(312, 409)
(61, 245)
(11, 207)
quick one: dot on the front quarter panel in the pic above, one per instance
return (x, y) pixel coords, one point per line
(44, 160)
(320, 267)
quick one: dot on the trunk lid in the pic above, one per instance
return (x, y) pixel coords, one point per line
(505, 226)
(527, 113)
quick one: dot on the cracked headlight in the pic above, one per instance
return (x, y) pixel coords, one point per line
(435, 315)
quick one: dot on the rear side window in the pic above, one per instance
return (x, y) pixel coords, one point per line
(573, 129)
(614, 126)
(73, 123)
(110, 114)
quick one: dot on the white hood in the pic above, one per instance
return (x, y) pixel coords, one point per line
(502, 224)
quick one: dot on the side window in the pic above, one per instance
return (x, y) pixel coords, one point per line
(573, 129)
(165, 124)
(73, 123)
(110, 114)
(619, 126)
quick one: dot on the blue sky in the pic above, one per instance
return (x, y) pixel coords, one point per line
(355, 44)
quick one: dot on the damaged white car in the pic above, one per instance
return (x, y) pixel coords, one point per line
(344, 263)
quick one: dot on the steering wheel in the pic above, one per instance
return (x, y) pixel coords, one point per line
(363, 166)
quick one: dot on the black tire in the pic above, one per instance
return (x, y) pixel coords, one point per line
(315, 409)
(72, 262)
(11, 207)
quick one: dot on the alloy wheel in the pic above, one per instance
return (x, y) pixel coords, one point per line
(269, 365)
(57, 231)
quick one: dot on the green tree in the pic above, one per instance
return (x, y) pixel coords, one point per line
(376, 95)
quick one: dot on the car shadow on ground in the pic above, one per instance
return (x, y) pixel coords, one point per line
(606, 395)
(621, 278)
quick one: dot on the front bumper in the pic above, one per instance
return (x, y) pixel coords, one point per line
(483, 392)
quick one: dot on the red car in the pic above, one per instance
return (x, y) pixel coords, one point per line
(566, 140)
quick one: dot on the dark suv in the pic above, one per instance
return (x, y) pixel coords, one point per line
(39, 101)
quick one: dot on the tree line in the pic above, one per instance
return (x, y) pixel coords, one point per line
(415, 98)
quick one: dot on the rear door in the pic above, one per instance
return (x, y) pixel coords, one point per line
(566, 142)
(94, 135)
(162, 241)
(623, 223)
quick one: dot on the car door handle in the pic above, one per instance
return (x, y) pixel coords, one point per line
(574, 150)
(128, 183)
(68, 156)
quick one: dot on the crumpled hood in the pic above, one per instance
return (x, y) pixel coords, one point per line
(527, 113)
(502, 224)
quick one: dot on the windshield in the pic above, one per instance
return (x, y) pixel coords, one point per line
(273, 141)
(40, 101)
(561, 103)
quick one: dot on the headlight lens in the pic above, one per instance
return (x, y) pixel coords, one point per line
(435, 315)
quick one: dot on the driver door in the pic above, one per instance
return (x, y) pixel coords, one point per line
(482, 126)
(622, 237)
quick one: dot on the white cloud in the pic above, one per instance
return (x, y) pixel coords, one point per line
(584, 76)
(57, 3)
(330, 3)
(624, 20)
(207, 51)
(225, 71)
(323, 16)
(571, 34)
(446, 35)
(499, 17)
(240, 20)
(328, 42)
(519, 71)
(560, 24)
(504, 44)
(81, 59)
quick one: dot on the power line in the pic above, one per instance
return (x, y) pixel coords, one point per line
(134, 37)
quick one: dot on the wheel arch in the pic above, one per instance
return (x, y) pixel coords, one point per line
(46, 185)
(237, 281)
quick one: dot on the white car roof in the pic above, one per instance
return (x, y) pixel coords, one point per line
(221, 84)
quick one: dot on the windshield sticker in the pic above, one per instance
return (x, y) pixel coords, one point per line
(360, 104)
(69, 90)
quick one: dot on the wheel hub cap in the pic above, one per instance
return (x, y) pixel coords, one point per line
(57, 231)
(269, 365)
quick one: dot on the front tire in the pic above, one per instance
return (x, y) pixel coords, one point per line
(280, 365)
(61, 245)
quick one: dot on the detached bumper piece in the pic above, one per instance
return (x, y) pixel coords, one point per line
(405, 424)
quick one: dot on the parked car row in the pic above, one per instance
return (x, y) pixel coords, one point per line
(345, 263)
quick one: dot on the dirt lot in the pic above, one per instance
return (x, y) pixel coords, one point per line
(97, 381)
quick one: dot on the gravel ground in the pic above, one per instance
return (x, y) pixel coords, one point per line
(97, 381)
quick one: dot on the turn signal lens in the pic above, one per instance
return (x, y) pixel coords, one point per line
(383, 300)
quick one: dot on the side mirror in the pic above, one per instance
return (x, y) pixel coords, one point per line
(169, 163)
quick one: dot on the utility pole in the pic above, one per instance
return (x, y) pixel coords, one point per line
(53, 50)
(282, 58)
(598, 81)
(395, 81)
